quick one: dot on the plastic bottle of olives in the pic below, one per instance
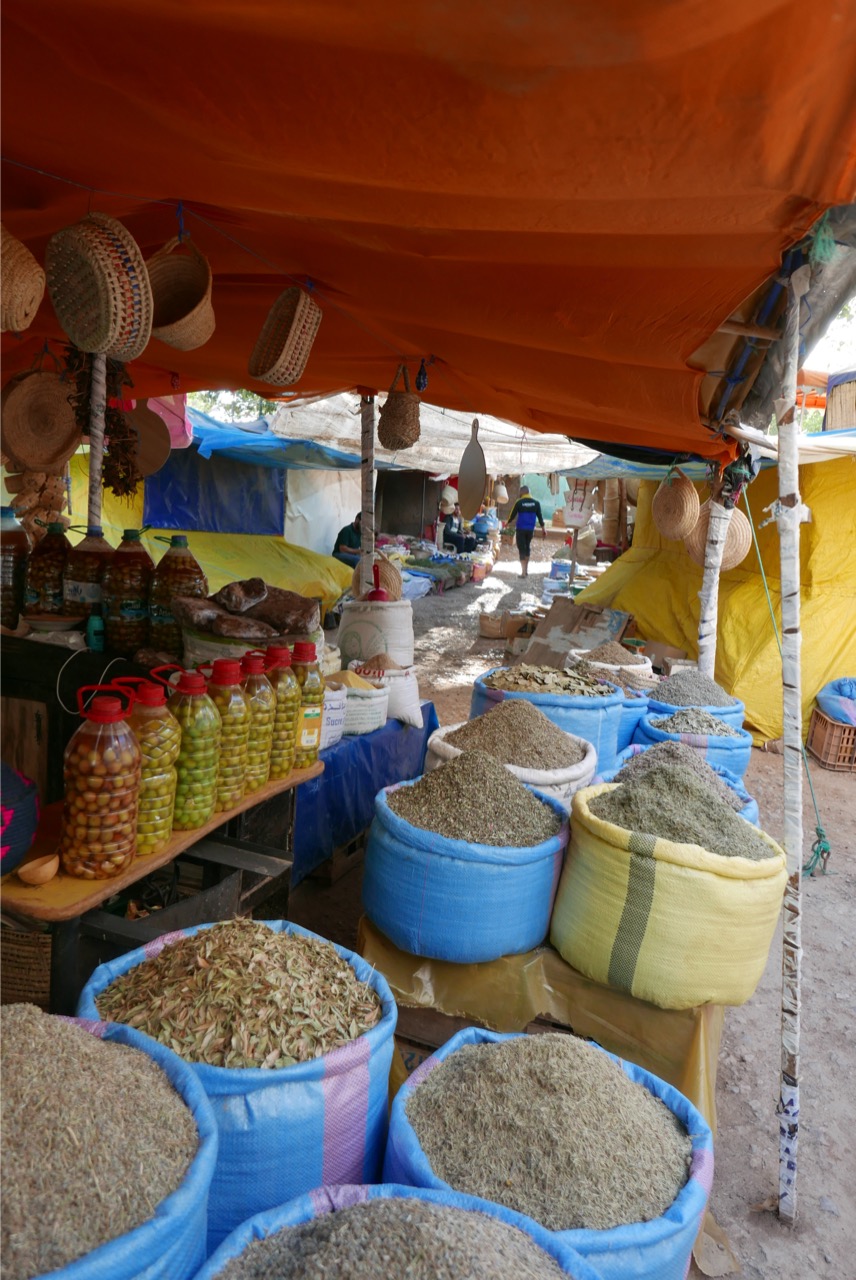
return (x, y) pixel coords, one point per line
(126, 584)
(312, 685)
(159, 737)
(178, 573)
(101, 771)
(84, 572)
(233, 704)
(14, 549)
(198, 758)
(287, 692)
(262, 698)
(43, 589)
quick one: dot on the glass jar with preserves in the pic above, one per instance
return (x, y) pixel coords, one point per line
(287, 692)
(43, 592)
(14, 550)
(158, 735)
(126, 584)
(262, 698)
(84, 573)
(233, 704)
(199, 754)
(101, 771)
(312, 684)
(178, 573)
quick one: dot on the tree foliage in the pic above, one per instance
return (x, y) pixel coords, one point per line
(232, 406)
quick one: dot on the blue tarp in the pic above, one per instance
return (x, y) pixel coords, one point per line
(220, 495)
(254, 443)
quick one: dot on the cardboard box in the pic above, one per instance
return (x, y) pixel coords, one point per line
(658, 652)
(491, 627)
(574, 626)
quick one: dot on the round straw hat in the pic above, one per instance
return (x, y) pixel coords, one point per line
(737, 542)
(282, 350)
(99, 287)
(22, 285)
(388, 575)
(39, 428)
(153, 440)
(181, 295)
(675, 507)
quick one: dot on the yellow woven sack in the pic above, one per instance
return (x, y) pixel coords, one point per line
(669, 923)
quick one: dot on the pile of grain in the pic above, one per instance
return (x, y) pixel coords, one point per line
(691, 689)
(517, 733)
(616, 655)
(677, 753)
(695, 720)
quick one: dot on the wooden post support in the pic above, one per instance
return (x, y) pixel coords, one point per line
(717, 533)
(97, 414)
(367, 426)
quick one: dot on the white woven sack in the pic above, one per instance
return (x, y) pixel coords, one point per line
(558, 783)
(365, 710)
(333, 719)
(404, 704)
(644, 668)
(369, 627)
(331, 660)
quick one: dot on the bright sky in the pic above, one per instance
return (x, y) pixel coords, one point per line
(836, 351)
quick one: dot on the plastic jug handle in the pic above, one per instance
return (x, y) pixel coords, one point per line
(167, 666)
(109, 689)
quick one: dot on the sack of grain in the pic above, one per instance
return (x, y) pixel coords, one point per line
(725, 752)
(670, 923)
(404, 704)
(374, 626)
(749, 810)
(365, 710)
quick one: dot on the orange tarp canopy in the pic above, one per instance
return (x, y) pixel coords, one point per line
(559, 202)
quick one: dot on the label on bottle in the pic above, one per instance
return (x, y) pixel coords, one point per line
(31, 596)
(309, 728)
(81, 592)
(52, 597)
(161, 614)
(133, 609)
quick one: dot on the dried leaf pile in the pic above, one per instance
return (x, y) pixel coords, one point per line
(678, 753)
(241, 995)
(551, 1127)
(94, 1138)
(530, 679)
(516, 732)
(695, 720)
(691, 689)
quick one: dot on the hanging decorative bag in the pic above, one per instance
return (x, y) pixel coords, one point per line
(398, 423)
(181, 294)
(675, 507)
(737, 542)
(99, 287)
(282, 350)
(22, 286)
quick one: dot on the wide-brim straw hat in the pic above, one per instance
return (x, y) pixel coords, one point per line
(99, 287)
(153, 439)
(22, 285)
(181, 295)
(388, 575)
(737, 542)
(40, 431)
(675, 507)
(282, 350)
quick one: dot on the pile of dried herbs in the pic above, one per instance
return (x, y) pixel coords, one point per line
(689, 688)
(553, 1128)
(529, 679)
(94, 1138)
(695, 720)
(615, 655)
(241, 995)
(387, 1239)
(637, 681)
(475, 798)
(678, 753)
(516, 732)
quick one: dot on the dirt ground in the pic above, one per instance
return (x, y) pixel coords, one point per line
(450, 655)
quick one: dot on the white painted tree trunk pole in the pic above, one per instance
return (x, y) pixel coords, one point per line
(717, 532)
(367, 426)
(97, 413)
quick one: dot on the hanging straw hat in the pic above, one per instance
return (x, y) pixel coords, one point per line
(181, 294)
(737, 542)
(99, 287)
(22, 286)
(40, 431)
(675, 507)
(282, 350)
(388, 574)
(398, 422)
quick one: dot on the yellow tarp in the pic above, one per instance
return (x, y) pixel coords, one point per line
(658, 583)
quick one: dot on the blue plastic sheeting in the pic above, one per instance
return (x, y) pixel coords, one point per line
(719, 751)
(220, 495)
(337, 806)
(633, 709)
(733, 713)
(254, 443)
(837, 700)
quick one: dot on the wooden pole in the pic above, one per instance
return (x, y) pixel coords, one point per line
(97, 414)
(717, 533)
(367, 431)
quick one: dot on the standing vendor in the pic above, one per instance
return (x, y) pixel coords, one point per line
(349, 542)
(526, 511)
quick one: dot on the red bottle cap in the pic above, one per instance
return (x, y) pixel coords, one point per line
(278, 656)
(226, 671)
(144, 691)
(304, 652)
(105, 710)
(253, 664)
(191, 682)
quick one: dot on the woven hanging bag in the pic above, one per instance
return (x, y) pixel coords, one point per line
(282, 350)
(22, 286)
(99, 287)
(398, 422)
(737, 542)
(388, 576)
(181, 295)
(675, 507)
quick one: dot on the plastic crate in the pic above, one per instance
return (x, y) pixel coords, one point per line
(831, 743)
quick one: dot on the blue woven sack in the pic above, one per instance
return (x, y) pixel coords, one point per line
(452, 900)
(633, 708)
(729, 753)
(749, 811)
(837, 700)
(655, 1250)
(285, 1131)
(732, 714)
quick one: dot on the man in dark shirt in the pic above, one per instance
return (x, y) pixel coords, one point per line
(349, 541)
(527, 512)
(453, 532)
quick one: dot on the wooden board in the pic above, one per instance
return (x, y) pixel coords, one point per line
(23, 737)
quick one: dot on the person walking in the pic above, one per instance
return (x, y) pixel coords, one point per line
(527, 513)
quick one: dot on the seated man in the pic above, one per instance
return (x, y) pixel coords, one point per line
(453, 532)
(349, 541)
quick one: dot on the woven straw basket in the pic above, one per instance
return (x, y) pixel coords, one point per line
(39, 428)
(675, 507)
(388, 574)
(737, 542)
(280, 355)
(398, 423)
(22, 286)
(99, 287)
(181, 295)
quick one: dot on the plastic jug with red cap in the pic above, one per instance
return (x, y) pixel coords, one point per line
(159, 736)
(101, 770)
(287, 692)
(224, 686)
(262, 698)
(199, 756)
(312, 685)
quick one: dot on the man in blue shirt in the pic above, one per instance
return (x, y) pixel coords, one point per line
(526, 511)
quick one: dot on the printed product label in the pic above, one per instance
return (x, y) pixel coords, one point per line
(31, 596)
(309, 728)
(53, 601)
(133, 610)
(160, 613)
(81, 592)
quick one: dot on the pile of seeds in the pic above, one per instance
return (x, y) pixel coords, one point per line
(553, 1128)
(616, 655)
(241, 995)
(517, 733)
(529, 679)
(382, 1239)
(696, 720)
(689, 688)
(475, 798)
(672, 803)
(94, 1138)
(677, 753)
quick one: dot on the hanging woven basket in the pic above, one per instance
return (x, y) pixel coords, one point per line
(388, 576)
(398, 422)
(280, 355)
(22, 285)
(675, 507)
(737, 542)
(181, 295)
(99, 287)
(40, 431)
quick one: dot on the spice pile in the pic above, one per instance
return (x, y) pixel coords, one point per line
(696, 720)
(553, 1128)
(691, 689)
(94, 1138)
(666, 754)
(615, 655)
(387, 1238)
(475, 798)
(637, 681)
(529, 679)
(241, 995)
(517, 733)
(380, 662)
(672, 803)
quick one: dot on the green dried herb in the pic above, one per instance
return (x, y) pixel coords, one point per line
(516, 732)
(678, 753)
(695, 720)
